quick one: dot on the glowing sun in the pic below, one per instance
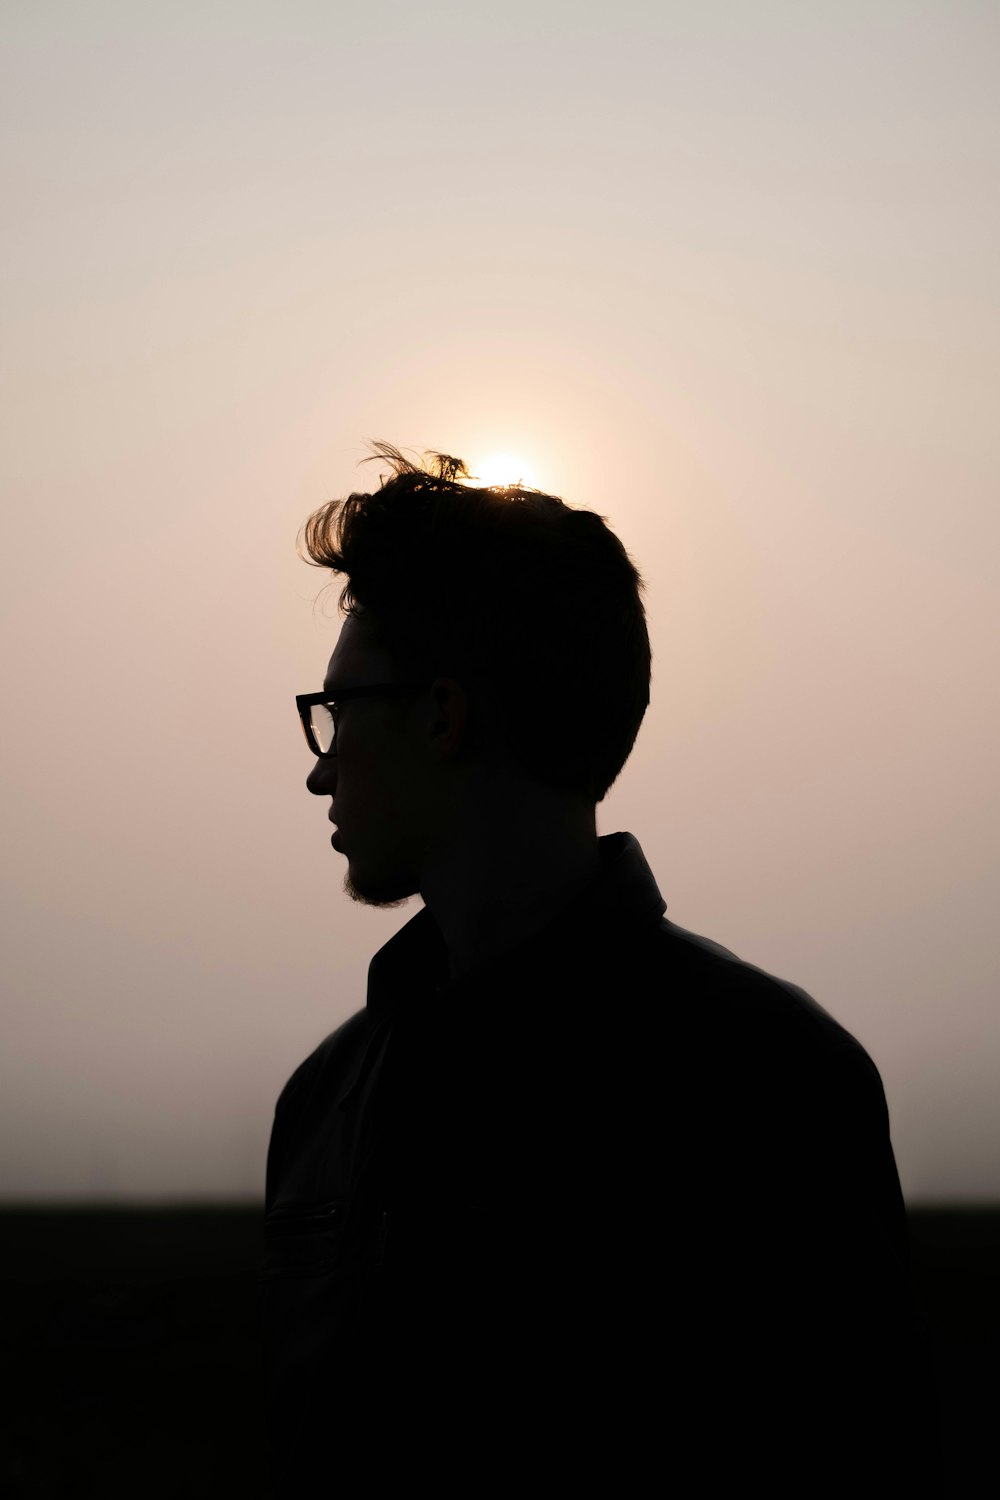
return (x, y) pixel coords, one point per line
(505, 468)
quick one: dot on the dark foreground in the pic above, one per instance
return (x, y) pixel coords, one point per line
(131, 1361)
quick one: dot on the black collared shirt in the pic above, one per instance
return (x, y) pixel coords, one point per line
(618, 1203)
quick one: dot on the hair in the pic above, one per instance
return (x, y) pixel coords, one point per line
(533, 605)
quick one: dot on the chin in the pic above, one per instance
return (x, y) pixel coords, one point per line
(379, 892)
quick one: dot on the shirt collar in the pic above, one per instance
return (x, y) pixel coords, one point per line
(623, 896)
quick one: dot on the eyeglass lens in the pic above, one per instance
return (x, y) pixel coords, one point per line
(323, 728)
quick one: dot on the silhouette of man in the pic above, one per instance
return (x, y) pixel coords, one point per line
(578, 1200)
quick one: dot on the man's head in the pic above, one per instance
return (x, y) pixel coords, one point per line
(516, 624)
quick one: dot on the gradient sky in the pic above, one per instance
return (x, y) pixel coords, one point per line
(725, 273)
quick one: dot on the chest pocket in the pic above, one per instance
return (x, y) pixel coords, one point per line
(302, 1239)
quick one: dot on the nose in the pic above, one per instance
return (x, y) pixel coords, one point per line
(322, 779)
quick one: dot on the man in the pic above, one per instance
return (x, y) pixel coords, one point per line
(578, 1199)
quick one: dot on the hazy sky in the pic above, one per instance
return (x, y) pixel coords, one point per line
(726, 273)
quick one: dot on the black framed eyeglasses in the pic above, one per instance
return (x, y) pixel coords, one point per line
(318, 712)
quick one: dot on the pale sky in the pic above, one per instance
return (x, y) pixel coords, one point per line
(725, 273)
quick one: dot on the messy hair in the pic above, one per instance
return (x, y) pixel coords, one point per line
(533, 605)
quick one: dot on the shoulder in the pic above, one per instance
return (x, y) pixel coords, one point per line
(327, 1065)
(761, 1039)
(299, 1152)
(790, 1107)
(713, 989)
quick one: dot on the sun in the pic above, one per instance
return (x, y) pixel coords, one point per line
(505, 468)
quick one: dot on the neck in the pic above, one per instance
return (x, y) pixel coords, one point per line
(509, 864)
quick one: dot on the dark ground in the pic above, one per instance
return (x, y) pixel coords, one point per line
(132, 1367)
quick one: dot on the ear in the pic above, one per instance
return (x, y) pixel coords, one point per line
(448, 716)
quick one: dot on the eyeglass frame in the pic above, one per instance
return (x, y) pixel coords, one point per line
(306, 702)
